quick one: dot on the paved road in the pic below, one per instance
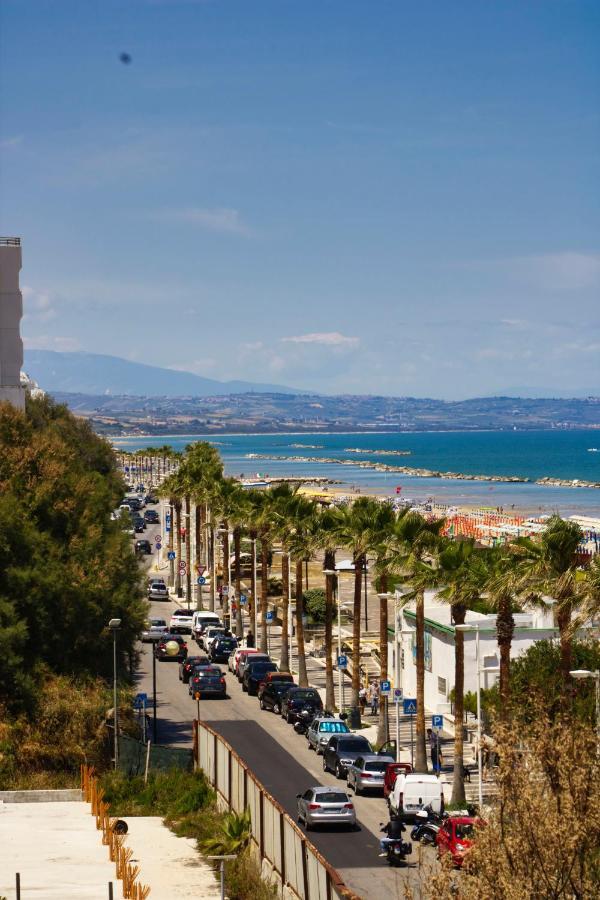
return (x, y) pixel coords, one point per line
(282, 761)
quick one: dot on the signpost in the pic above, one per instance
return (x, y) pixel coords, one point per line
(342, 661)
(243, 599)
(140, 701)
(409, 705)
(385, 688)
(168, 522)
(171, 554)
(437, 723)
(201, 579)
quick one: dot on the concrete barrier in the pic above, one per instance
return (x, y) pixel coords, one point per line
(41, 796)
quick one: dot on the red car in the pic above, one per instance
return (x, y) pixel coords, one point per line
(456, 837)
(391, 773)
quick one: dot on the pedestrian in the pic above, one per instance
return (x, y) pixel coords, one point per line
(249, 639)
(374, 698)
(433, 749)
(362, 699)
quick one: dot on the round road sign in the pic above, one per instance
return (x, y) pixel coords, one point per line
(158, 545)
(201, 579)
(158, 537)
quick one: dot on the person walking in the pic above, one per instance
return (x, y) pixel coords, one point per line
(249, 639)
(374, 698)
(434, 750)
(362, 699)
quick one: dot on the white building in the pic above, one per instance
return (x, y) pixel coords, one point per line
(439, 649)
(11, 313)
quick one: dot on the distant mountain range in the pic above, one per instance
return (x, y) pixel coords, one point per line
(95, 373)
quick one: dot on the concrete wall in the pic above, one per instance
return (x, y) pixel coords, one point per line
(11, 313)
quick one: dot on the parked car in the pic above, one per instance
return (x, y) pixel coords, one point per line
(203, 618)
(157, 590)
(325, 806)
(151, 517)
(456, 836)
(182, 620)
(341, 751)
(221, 648)
(321, 729)
(233, 663)
(415, 791)
(254, 673)
(271, 693)
(187, 666)
(391, 773)
(208, 681)
(297, 700)
(143, 547)
(160, 648)
(244, 661)
(208, 635)
(150, 498)
(278, 676)
(139, 526)
(154, 630)
(367, 772)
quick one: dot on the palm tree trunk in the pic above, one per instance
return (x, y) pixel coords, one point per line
(284, 661)
(252, 604)
(198, 549)
(188, 549)
(382, 725)
(329, 563)
(178, 551)
(505, 626)
(237, 549)
(212, 561)
(458, 782)
(171, 561)
(264, 589)
(563, 620)
(358, 574)
(226, 571)
(302, 675)
(420, 747)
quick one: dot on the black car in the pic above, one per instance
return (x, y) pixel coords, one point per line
(139, 526)
(271, 695)
(143, 546)
(160, 648)
(150, 498)
(133, 503)
(297, 700)
(187, 666)
(342, 750)
(222, 648)
(151, 517)
(208, 682)
(253, 674)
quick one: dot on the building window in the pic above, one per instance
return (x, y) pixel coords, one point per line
(442, 686)
(428, 651)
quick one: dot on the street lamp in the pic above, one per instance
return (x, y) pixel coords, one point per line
(588, 673)
(114, 626)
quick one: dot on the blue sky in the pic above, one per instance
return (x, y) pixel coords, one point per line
(367, 197)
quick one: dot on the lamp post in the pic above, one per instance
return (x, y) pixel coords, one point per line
(581, 674)
(114, 626)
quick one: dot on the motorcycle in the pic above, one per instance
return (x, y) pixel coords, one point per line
(304, 720)
(396, 849)
(427, 824)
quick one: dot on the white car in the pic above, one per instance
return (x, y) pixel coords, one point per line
(157, 590)
(415, 791)
(210, 635)
(182, 621)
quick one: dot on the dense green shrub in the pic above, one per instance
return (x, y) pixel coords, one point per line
(314, 604)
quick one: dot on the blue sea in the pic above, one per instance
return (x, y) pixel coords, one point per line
(528, 454)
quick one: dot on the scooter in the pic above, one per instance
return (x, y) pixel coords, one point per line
(305, 718)
(396, 850)
(427, 824)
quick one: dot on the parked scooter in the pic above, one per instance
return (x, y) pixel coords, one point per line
(305, 718)
(396, 850)
(427, 824)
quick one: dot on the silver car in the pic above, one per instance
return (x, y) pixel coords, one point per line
(154, 631)
(157, 590)
(321, 729)
(367, 772)
(326, 806)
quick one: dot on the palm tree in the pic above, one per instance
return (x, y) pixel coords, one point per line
(356, 531)
(462, 573)
(501, 597)
(411, 546)
(328, 529)
(550, 567)
(283, 524)
(302, 543)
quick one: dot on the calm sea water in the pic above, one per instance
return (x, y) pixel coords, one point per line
(559, 454)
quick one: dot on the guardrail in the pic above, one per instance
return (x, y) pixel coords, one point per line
(291, 858)
(10, 242)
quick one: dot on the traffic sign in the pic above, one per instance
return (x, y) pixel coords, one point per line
(342, 661)
(398, 693)
(158, 537)
(201, 579)
(182, 566)
(168, 522)
(140, 701)
(269, 616)
(409, 706)
(171, 554)
(200, 570)
(243, 599)
(437, 721)
(158, 545)
(224, 588)
(385, 688)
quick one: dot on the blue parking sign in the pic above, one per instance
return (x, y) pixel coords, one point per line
(269, 616)
(243, 599)
(385, 688)
(437, 721)
(342, 661)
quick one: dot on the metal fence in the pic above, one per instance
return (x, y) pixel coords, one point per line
(297, 863)
(135, 755)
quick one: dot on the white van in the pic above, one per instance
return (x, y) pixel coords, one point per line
(413, 792)
(204, 617)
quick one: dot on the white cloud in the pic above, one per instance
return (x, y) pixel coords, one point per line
(568, 271)
(221, 219)
(326, 338)
(37, 305)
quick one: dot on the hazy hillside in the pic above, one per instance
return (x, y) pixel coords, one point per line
(94, 373)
